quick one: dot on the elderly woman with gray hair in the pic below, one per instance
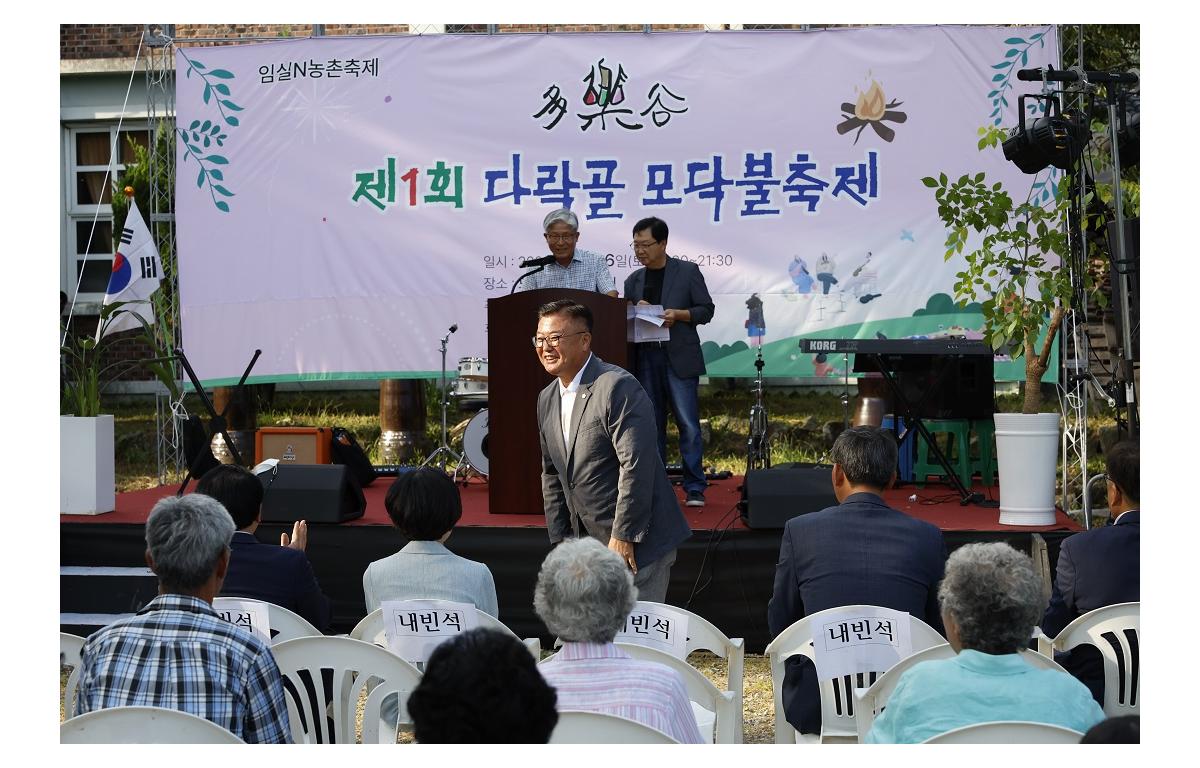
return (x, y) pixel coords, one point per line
(991, 600)
(584, 594)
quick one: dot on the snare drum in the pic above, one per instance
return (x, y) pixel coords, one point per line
(473, 368)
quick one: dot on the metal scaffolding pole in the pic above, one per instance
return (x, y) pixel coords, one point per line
(160, 102)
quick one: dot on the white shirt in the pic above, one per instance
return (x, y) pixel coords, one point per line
(566, 396)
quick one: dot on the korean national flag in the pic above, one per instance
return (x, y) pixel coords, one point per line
(136, 273)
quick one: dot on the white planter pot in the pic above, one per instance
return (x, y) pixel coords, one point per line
(87, 472)
(1027, 458)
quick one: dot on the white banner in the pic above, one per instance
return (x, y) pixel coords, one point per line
(342, 201)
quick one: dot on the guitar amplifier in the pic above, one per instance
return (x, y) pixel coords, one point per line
(317, 493)
(292, 445)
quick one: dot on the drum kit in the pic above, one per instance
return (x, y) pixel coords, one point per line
(470, 390)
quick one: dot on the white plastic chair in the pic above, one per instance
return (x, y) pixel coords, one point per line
(703, 635)
(714, 709)
(371, 630)
(142, 725)
(324, 678)
(869, 702)
(837, 695)
(1008, 732)
(69, 647)
(1115, 631)
(597, 728)
(285, 624)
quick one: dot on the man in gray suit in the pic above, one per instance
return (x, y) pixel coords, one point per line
(600, 473)
(670, 370)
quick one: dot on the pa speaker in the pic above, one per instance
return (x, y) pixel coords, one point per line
(773, 496)
(318, 493)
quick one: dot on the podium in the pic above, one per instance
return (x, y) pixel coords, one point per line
(516, 377)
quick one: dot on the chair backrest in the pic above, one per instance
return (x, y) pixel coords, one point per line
(69, 647)
(700, 691)
(1114, 630)
(324, 678)
(596, 728)
(1008, 732)
(142, 725)
(703, 635)
(371, 629)
(285, 624)
(837, 694)
(869, 703)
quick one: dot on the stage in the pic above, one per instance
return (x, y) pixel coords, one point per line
(724, 572)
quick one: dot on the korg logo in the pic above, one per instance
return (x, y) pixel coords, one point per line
(823, 346)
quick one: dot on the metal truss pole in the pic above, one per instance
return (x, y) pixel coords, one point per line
(160, 101)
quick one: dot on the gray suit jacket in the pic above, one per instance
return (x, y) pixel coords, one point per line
(426, 570)
(610, 478)
(683, 288)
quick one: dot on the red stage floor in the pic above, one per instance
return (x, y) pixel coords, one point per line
(935, 504)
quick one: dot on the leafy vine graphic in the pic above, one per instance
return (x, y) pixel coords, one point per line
(200, 136)
(1018, 56)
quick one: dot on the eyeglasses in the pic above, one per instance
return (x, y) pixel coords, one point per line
(554, 340)
(643, 246)
(556, 238)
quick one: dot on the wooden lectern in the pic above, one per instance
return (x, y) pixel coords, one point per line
(515, 378)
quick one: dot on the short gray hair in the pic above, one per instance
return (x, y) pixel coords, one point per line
(866, 454)
(584, 591)
(186, 536)
(562, 214)
(992, 593)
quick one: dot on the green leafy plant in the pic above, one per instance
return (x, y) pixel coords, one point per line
(84, 372)
(1014, 266)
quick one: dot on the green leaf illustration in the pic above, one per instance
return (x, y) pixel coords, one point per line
(216, 174)
(195, 123)
(206, 124)
(222, 89)
(224, 74)
(222, 190)
(195, 63)
(231, 120)
(207, 94)
(200, 179)
(217, 159)
(222, 206)
(230, 105)
(1014, 41)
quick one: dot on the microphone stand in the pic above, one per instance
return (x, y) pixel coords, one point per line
(522, 277)
(444, 449)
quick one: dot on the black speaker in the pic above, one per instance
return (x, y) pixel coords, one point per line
(318, 493)
(773, 496)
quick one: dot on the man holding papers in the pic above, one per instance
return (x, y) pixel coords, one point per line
(670, 370)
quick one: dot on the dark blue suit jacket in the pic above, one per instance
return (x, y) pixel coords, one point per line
(1096, 568)
(859, 552)
(683, 288)
(279, 575)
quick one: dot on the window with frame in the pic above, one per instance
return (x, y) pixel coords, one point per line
(96, 155)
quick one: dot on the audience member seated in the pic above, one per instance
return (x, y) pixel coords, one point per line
(482, 687)
(1100, 567)
(424, 505)
(991, 600)
(861, 552)
(278, 574)
(1126, 729)
(584, 594)
(177, 652)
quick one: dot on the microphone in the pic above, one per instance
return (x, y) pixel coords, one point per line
(1072, 75)
(536, 262)
(454, 328)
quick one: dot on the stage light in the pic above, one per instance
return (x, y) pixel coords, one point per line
(1050, 139)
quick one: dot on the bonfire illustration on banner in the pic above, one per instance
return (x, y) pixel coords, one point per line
(871, 108)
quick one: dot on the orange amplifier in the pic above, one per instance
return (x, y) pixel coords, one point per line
(293, 445)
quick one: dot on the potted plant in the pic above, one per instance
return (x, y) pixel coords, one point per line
(1014, 254)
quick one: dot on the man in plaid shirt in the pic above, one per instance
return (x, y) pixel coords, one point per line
(177, 653)
(572, 267)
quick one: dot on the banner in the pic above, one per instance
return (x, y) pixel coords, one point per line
(342, 201)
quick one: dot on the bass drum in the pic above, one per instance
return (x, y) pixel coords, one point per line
(475, 442)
